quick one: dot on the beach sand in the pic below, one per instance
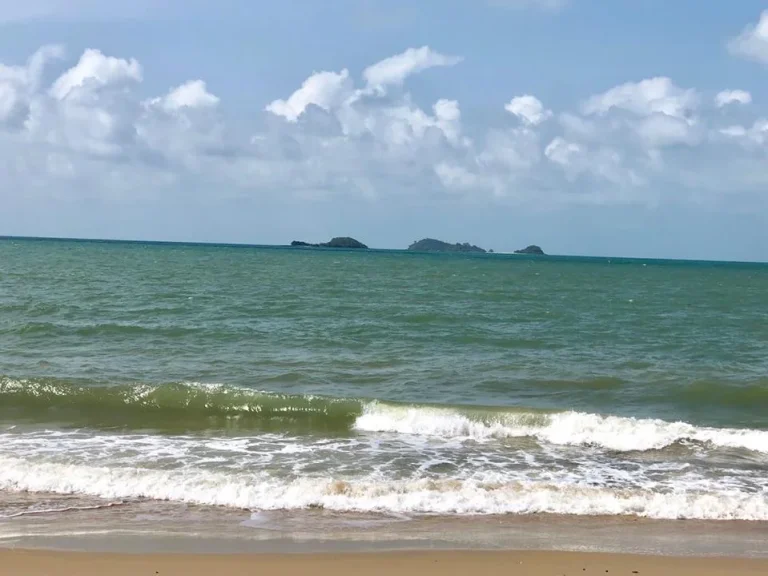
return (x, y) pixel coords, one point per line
(50, 563)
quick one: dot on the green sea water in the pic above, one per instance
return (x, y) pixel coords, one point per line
(396, 382)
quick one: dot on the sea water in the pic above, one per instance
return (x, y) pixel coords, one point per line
(391, 384)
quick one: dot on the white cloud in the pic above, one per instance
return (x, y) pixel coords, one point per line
(182, 125)
(448, 119)
(192, 94)
(9, 101)
(396, 69)
(650, 96)
(560, 151)
(752, 43)
(91, 108)
(18, 84)
(663, 130)
(93, 129)
(323, 89)
(38, 61)
(601, 163)
(759, 131)
(755, 135)
(654, 110)
(393, 121)
(732, 97)
(403, 127)
(529, 109)
(95, 70)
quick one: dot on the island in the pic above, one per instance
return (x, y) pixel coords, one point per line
(338, 242)
(532, 249)
(432, 245)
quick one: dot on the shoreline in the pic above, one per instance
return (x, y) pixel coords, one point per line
(167, 527)
(421, 563)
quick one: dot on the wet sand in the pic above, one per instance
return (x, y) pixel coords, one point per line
(437, 563)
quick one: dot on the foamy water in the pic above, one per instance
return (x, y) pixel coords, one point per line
(570, 428)
(417, 460)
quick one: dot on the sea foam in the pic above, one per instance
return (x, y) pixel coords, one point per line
(371, 494)
(565, 428)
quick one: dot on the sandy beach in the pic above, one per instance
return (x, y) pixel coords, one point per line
(39, 563)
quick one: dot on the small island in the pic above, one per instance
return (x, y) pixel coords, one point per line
(338, 242)
(532, 249)
(432, 245)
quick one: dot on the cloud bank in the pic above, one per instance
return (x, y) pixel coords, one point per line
(93, 132)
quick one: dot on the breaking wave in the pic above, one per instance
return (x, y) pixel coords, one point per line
(183, 407)
(369, 494)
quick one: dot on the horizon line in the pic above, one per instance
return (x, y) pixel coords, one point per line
(490, 252)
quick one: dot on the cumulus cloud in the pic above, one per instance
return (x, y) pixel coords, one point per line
(323, 89)
(192, 94)
(663, 130)
(18, 85)
(752, 43)
(601, 163)
(529, 109)
(655, 110)
(732, 97)
(650, 96)
(95, 70)
(90, 109)
(395, 123)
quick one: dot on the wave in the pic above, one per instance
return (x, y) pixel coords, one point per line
(622, 434)
(173, 408)
(370, 494)
(184, 407)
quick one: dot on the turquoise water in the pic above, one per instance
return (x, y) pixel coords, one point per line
(391, 382)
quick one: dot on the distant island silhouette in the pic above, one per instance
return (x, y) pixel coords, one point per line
(532, 249)
(424, 245)
(338, 242)
(432, 245)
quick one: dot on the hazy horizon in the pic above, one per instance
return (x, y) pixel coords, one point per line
(490, 251)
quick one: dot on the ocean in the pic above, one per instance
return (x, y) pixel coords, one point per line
(376, 386)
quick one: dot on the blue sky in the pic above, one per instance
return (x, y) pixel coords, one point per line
(585, 126)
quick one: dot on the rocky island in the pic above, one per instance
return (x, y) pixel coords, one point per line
(432, 245)
(338, 242)
(532, 249)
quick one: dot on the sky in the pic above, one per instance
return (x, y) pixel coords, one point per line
(588, 127)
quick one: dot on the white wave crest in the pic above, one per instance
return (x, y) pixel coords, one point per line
(370, 494)
(567, 428)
